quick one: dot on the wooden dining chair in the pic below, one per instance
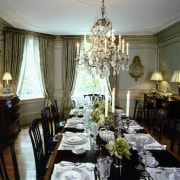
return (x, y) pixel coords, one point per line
(58, 123)
(94, 98)
(158, 124)
(3, 170)
(41, 160)
(49, 143)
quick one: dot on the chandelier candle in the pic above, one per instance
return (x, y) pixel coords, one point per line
(127, 104)
(113, 99)
(106, 105)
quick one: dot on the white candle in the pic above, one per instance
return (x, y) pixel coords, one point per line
(85, 42)
(112, 37)
(105, 45)
(127, 104)
(106, 105)
(123, 46)
(127, 45)
(113, 100)
(77, 48)
(119, 46)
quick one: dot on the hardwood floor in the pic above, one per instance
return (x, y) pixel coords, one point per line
(25, 156)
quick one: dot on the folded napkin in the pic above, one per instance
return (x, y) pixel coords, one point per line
(155, 146)
(70, 146)
(161, 173)
(85, 169)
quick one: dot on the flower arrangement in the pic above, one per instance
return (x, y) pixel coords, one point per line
(119, 147)
(98, 113)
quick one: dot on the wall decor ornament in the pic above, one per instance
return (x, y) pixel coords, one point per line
(136, 68)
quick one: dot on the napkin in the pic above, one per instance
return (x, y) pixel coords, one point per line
(88, 168)
(155, 146)
(161, 173)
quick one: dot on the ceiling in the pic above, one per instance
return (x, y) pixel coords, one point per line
(75, 17)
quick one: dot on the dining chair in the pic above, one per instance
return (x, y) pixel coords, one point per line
(58, 124)
(49, 143)
(3, 170)
(94, 98)
(138, 110)
(158, 124)
(41, 160)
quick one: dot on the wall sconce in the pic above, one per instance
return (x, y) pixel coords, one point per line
(157, 76)
(7, 77)
(176, 78)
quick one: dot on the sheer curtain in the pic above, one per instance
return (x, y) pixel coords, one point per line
(31, 50)
(13, 54)
(46, 48)
(69, 67)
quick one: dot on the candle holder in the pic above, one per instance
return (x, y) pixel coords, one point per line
(126, 123)
(107, 123)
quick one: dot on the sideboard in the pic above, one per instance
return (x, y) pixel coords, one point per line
(9, 116)
(171, 107)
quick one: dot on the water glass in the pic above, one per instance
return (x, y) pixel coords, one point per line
(104, 166)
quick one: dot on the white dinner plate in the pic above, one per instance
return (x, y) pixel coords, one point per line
(74, 139)
(70, 172)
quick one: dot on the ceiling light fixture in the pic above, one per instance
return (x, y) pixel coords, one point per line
(105, 52)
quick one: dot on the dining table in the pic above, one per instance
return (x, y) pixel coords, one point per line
(63, 155)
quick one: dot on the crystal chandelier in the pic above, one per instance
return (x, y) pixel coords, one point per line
(105, 51)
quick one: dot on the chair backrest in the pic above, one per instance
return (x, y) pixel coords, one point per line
(46, 126)
(94, 98)
(55, 114)
(37, 144)
(3, 170)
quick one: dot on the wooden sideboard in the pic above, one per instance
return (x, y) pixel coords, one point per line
(9, 117)
(171, 107)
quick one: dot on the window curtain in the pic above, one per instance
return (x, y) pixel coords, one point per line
(69, 67)
(46, 48)
(13, 55)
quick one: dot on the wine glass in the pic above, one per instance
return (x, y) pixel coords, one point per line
(139, 147)
(94, 132)
(146, 158)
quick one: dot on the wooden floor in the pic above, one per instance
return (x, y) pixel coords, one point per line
(25, 155)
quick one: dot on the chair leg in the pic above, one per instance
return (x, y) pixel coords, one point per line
(3, 171)
(15, 165)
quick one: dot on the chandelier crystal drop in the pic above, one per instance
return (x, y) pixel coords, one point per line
(105, 52)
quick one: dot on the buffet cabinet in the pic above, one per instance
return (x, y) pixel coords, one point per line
(9, 117)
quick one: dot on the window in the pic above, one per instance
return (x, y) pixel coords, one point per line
(30, 83)
(87, 83)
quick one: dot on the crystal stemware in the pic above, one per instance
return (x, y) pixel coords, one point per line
(104, 166)
(94, 132)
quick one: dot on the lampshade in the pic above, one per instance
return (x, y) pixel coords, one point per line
(7, 76)
(157, 76)
(176, 76)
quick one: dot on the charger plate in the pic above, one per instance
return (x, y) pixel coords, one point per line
(74, 139)
(70, 172)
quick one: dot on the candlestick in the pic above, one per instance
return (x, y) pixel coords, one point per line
(113, 100)
(127, 104)
(106, 105)
(119, 46)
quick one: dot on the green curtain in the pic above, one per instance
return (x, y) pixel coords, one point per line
(69, 67)
(46, 48)
(13, 54)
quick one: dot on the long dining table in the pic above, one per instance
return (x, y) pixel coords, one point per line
(128, 171)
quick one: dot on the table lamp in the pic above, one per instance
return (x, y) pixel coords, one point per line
(157, 76)
(7, 77)
(176, 78)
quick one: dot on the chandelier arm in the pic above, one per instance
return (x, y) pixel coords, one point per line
(103, 9)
